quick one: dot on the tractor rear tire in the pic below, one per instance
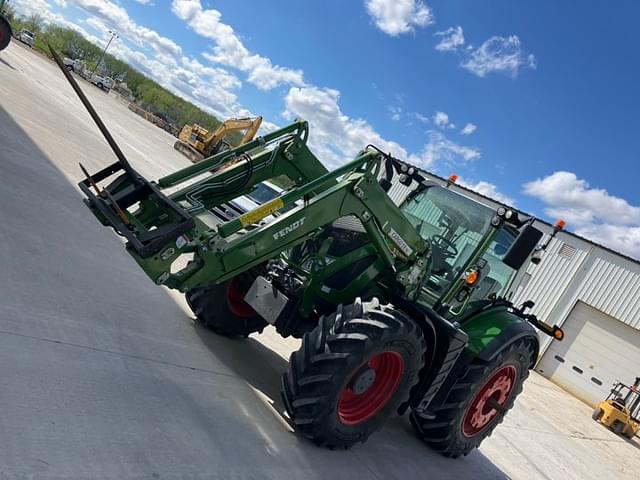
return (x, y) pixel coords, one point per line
(597, 414)
(464, 419)
(352, 372)
(221, 307)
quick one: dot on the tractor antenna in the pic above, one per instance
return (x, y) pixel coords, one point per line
(94, 115)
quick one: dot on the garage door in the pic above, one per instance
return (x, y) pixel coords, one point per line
(597, 351)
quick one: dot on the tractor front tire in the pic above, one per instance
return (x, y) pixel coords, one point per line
(352, 372)
(221, 308)
(467, 416)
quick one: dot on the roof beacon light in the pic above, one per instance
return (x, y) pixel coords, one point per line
(560, 224)
(453, 178)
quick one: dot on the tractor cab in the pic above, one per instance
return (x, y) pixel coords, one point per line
(469, 242)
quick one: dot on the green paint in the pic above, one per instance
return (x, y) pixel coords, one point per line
(483, 328)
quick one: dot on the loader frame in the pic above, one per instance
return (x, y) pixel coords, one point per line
(224, 251)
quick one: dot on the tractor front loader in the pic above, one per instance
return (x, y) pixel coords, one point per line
(400, 309)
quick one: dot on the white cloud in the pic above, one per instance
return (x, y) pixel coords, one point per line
(212, 89)
(337, 138)
(394, 17)
(441, 119)
(468, 129)
(565, 190)
(158, 57)
(488, 190)
(396, 113)
(43, 9)
(440, 149)
(116, 17)
(145, 2)
(452, 38)
(229, 50)
(624, 239)
(421, 118)
(498, 54)
(334, 136)
(592, 212)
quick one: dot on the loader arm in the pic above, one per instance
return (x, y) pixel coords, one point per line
(242, 243)
(161, 228)
(148, 218)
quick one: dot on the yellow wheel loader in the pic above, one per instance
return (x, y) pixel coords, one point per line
(620, 411)
(198, 143)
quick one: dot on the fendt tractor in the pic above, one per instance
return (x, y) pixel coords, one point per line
(401, 309)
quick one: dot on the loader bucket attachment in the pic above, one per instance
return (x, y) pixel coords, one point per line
(157, 220)
(167, 221)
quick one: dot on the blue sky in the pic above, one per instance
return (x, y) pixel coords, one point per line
(534, 103)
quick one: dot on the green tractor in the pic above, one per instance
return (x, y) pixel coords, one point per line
(5, 28)
(400, 309)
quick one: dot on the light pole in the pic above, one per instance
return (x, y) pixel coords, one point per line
(113, 35)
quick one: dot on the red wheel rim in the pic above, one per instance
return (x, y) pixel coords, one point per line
(480, 413)
(235, 301)
(355, 408)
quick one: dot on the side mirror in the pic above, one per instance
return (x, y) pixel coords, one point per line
(522, 247)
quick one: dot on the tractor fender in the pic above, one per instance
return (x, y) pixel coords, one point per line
(489, 332)
(445, 344)
(512, 333)
(494, 329)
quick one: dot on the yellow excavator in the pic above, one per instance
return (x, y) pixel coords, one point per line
(620, 411)
(197, 142)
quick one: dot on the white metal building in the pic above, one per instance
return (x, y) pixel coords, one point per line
(593, 293)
